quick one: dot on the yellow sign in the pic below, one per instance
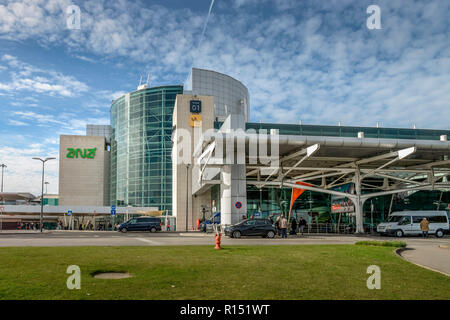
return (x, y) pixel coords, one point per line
(195, 120)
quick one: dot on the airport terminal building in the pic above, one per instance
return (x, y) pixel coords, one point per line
(335, 174)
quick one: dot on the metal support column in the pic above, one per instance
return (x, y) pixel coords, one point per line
(358, 203)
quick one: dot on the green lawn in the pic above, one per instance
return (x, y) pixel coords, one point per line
(200, 272)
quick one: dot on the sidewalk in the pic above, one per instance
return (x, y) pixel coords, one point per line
(23, 231)
(434, 257)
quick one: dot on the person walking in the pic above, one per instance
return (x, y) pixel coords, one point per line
(294, 226)
(424, 227)
(302, 225)
(283, 226)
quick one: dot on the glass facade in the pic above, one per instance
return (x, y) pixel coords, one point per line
(141, 163)
(347, 131)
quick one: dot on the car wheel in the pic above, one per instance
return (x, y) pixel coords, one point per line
(124, 230)
(236, 234)
(270, 234)
(399, 233)
(439, 233)
(153, 230)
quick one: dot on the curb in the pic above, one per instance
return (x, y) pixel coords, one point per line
(399, 253)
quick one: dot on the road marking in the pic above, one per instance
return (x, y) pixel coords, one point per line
(148, 241)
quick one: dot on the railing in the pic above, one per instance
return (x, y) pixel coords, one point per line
(313, 228)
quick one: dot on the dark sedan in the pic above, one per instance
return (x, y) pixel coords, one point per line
(141, 224)
(251, 227)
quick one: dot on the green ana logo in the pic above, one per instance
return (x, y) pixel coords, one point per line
(85, 153)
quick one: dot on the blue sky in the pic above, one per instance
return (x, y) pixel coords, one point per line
(314, 61)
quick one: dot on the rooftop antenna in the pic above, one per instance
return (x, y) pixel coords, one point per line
(141, 86)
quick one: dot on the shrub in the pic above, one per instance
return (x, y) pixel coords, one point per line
(398, 244)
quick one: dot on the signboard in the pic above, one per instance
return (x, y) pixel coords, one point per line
(257, 214)
(340, 204)
(195, 120)
(82, 153)
(69, 213)
(113, 210)
(238, 204)
(195, 106)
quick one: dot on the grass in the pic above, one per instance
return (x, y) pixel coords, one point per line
(396, 244)
(200, 272)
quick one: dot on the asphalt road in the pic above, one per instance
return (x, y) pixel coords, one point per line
(432, 253)
(112, 238)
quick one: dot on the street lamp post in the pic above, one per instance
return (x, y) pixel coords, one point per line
(42, 194)
(3, 166)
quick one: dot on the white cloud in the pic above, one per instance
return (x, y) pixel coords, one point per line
(25, 77)
(38, 118)
(17, 123)
(23, 174)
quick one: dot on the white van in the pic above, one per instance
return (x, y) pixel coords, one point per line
(408, 223)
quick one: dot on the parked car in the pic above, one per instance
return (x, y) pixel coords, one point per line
(141, 224)
(251, 227)
(207, 225)
(408, 223)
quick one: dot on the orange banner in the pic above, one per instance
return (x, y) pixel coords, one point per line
(297, 193)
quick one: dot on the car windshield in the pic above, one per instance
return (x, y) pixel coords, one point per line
(394, 218)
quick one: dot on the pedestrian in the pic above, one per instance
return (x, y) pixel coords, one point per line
(277, 225)
(294, 226)
(283, 226)
(168, 225)
(424, 226)
(302, 225)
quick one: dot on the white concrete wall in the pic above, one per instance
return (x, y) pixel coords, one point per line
(180, 186)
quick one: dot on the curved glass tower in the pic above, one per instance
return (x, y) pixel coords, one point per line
(230, 95)
(141, 164)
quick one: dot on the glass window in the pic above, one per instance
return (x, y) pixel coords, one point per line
(405, 220)
(417, 219)
(437, 219)
(394, 218)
